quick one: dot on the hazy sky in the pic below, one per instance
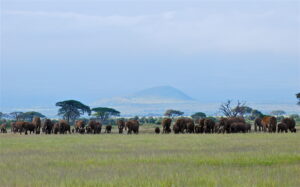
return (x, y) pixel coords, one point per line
(87, 50)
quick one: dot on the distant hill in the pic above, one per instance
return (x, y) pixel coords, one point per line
(156, 100)
(152, 100)
(161, 92)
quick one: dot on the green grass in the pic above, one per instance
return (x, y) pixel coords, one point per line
(256, 159)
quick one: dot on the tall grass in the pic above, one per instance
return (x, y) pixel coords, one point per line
(150, 160)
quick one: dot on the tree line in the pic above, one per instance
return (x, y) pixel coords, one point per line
(70, 110)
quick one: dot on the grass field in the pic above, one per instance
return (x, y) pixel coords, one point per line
(256, 159)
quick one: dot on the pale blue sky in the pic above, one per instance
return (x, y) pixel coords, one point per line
(87, 50)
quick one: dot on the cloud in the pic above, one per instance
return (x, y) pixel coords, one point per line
(103, 20)
(189, 30)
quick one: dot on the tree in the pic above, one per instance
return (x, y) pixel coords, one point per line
(242, 110)
(198, 115)
(150, 120)
(277, 112)
(256, 114)
(295, 116)
(30, 115)
(72, 109)
(230, 111)
(17, 115)
(172, 113)
(298, 97)
(103, 113)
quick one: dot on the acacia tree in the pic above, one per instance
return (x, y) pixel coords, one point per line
(242, 110)
(256, 114)
(17, 116)
(103, 113)
(72, 109)
(230, 111)
(198, 115)
(30, 115)
(172, 113)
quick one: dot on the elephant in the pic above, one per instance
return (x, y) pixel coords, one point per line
(94, 127)
(80, 126)
(37, 124)
(269, 122)
(3, 128)
(209, 125)
(64, 127)
(17, 126)
(180, 126)
(197, 129)
(218, 128)
(13, 127)
(226, 123)
(88, 130)
(55, 128)
(132, 126)
(166, 124)
(222, 124)
(290, 122)
(28, 126)
(238, 127)
(190, 125)
(22, 126)
(121, 126)
(176, 128)
(98, 128)
(108, 129)
(282, 127)
(157, 130)
(248, 127)
(257, 123)
(47, 126)
(201, 125)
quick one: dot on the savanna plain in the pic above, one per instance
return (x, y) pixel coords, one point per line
(148, 159)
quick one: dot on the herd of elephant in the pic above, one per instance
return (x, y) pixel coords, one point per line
(181, 125)
(62, 127)
(227, 125)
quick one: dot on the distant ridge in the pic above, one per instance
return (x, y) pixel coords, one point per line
(161, 92)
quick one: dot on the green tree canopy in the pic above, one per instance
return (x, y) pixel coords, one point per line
(243, 110)
(256, 114)
(295, 116)
(104, 113)
(31, 114)
(72, 109)
(198, 115)
(172, 113)
(16, 115)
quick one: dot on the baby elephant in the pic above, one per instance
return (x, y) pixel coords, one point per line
(157, 130)
(108, 129)
(282, 127)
